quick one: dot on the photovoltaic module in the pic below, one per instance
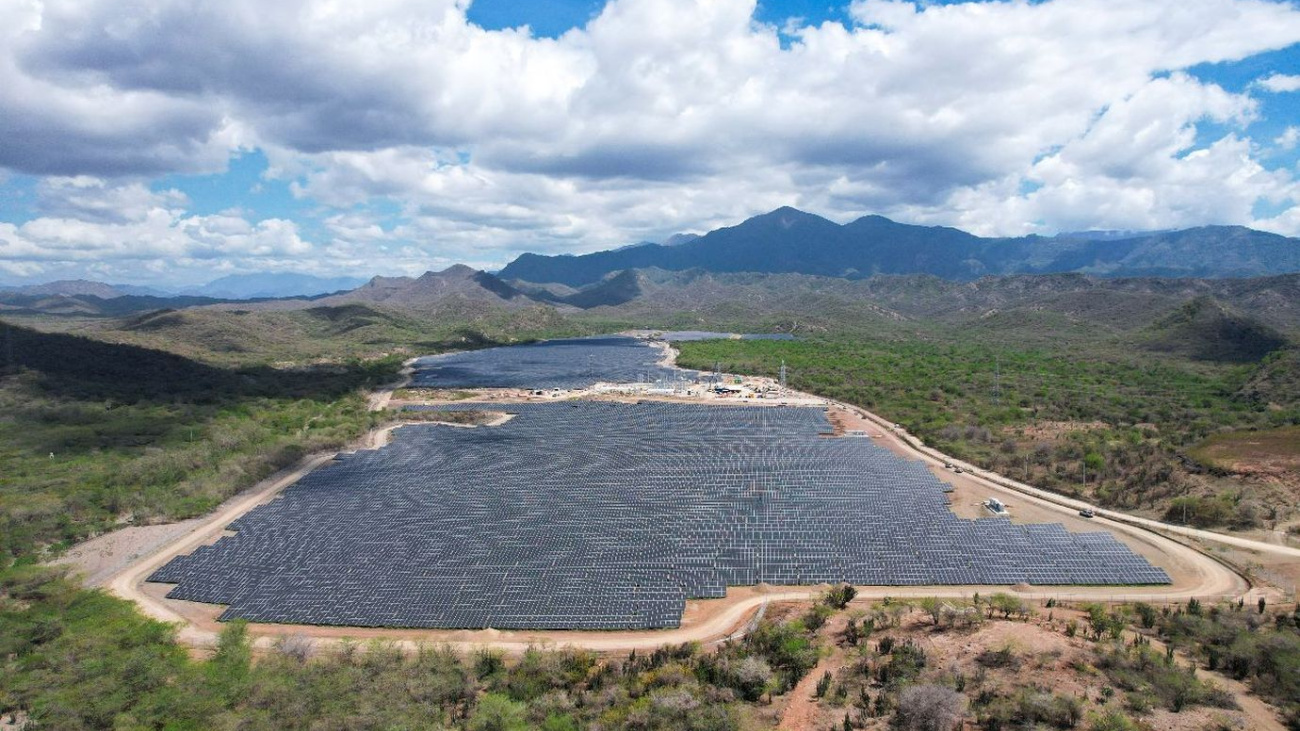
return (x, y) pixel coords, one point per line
(597, 515)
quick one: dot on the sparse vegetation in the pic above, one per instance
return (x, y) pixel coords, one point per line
(1110, 681)
(96, 435)
(1257, 646)
(140, 436)
(1104, 422)
(76, 659)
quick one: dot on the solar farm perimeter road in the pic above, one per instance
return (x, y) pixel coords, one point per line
(1110, 518)
(705, 621)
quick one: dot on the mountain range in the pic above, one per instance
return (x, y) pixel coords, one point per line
(656, 297)
(272, 284)
(80, 288)
(262, 285)
(790, 271)
(792, 241)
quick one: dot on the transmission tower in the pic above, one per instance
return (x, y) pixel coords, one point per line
(783, 375)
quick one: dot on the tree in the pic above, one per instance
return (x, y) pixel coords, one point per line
(929, 708)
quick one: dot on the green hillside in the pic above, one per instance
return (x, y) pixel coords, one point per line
(1204, 329)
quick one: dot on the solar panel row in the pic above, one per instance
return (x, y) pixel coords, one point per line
(594, 515)
(568, 364)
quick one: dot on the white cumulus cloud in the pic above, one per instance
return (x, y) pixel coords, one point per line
(1281, 83)
(657, 116)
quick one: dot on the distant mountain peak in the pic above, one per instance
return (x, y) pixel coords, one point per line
(456, 270)
(679, 239)
(877, 219)
(381, 282)
(786, 217)
(455, 283)
(785, 211)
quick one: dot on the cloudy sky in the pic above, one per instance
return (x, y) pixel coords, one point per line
(169, 142)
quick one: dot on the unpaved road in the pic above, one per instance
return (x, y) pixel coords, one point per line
(378, 400)
(715, 619)
(1107, 517)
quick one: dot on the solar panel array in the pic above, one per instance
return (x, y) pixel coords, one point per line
(595, 515)
(569, 364)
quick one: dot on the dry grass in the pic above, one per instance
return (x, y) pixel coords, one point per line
(1265, 452)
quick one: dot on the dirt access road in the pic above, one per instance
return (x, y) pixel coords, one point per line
(933, 457)
(705, 621)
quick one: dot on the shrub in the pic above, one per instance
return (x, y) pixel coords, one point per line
(753, 677)
(1032, 709)
(496, 712)
(838, 597)
(929, 708)
(824, 684)
(1004, 658)
(816, 617)
(1147, 613)
(905, 663)
(1110, 720)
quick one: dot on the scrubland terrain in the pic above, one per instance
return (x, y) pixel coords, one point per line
(1174, 402)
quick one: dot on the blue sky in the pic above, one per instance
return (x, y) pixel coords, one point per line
(167, 145)
(552, 18)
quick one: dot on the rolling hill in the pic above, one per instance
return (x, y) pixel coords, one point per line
(69, 288)
(90, 305)
(1205, 329)
(1044, 306)
(458, 282)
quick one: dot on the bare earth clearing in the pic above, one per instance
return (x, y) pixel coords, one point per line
(1271, 452)
(121, 560)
